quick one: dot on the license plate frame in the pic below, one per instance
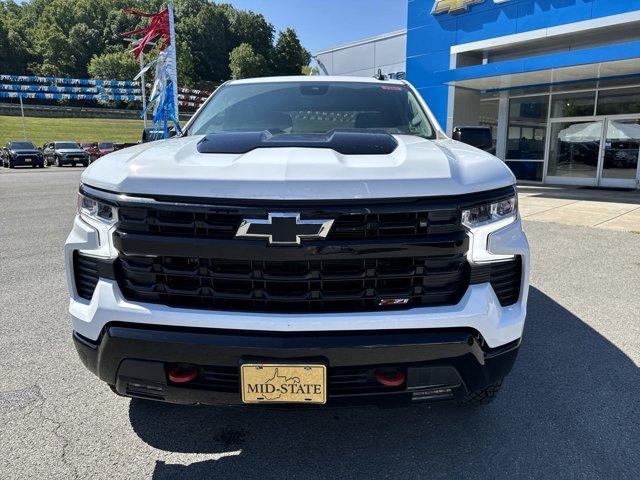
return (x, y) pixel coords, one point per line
(299, 383)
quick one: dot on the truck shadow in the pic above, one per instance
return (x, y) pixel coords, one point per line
(569, 409)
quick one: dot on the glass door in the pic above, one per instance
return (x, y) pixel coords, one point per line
(598, 151)
(574, 151)
(619, 166)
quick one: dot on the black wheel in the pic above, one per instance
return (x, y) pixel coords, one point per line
(484, 396)
(85, 164)
(57, 162)
(11, 165)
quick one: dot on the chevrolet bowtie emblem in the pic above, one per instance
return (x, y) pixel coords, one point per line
(284, 228)
(453, 6)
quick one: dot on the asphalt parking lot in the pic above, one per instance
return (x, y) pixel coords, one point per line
(570, 409)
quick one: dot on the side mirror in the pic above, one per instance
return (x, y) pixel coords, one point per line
(476, 136)
(150, 134)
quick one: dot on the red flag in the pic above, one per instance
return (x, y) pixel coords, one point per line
(158, 28)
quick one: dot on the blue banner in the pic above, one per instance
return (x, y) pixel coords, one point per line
(71, 96)
(67, 81)
(57, 89)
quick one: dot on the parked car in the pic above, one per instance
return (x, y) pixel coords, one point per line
(356, 255)
(92, 149)
(65, 153)
(22, 153)
(105, 148)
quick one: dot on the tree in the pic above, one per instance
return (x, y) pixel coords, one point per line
(308, 70)
(290, 56)
(252, 28)
(115, 65)
(246, 63)
(84, 42)
(64, 37)
(13, 49)
(206, 39)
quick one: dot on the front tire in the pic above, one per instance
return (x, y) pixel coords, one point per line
(482, 397)
(57, 162)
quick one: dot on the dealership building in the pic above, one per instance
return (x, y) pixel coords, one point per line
(558, 81)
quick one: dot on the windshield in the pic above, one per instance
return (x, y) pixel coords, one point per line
(65, 145)
(316, 108)
(22, 145)
(105, 145)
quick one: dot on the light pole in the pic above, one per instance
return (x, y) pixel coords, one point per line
(24, 126)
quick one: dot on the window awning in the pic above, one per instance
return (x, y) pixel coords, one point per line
(606, 61)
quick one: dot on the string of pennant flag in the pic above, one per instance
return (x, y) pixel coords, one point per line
(86, 96)
(91, 82)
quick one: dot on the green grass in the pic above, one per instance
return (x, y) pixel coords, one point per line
(43, 130)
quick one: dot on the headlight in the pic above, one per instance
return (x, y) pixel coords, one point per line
(88, 207)
(490, 212)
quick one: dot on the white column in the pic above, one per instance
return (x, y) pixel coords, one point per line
(503, 125)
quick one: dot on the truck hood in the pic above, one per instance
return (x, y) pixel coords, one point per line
(416, 168)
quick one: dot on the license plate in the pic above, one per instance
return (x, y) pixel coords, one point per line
(27, 160)
(283, 383)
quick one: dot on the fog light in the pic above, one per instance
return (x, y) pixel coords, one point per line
(182, 373)
(390, 377)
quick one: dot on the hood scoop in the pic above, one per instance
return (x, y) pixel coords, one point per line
(342, 141)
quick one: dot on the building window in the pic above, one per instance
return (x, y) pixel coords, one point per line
(527, 128)
(619, 101)
(573, 105)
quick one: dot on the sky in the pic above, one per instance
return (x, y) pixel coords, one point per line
(327, 23)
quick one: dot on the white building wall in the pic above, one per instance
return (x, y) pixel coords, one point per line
(364, 58)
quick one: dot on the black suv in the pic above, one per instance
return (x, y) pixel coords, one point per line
(65, 153)
(21, 153)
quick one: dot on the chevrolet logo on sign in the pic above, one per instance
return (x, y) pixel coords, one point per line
(452, 6)
(456, 6)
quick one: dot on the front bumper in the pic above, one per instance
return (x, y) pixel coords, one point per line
(26, 160)
(74, 158)
(438, 365)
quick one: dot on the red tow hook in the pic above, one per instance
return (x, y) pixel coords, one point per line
(181, 373)
(390, 377)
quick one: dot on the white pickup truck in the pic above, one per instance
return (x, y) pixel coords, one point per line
(307, 240)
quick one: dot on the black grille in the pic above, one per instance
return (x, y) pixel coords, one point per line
(350, 284)
(183, 253)
(405, 224)
(86, 274)
(221, 224)
(340, 380)
(505, 278)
